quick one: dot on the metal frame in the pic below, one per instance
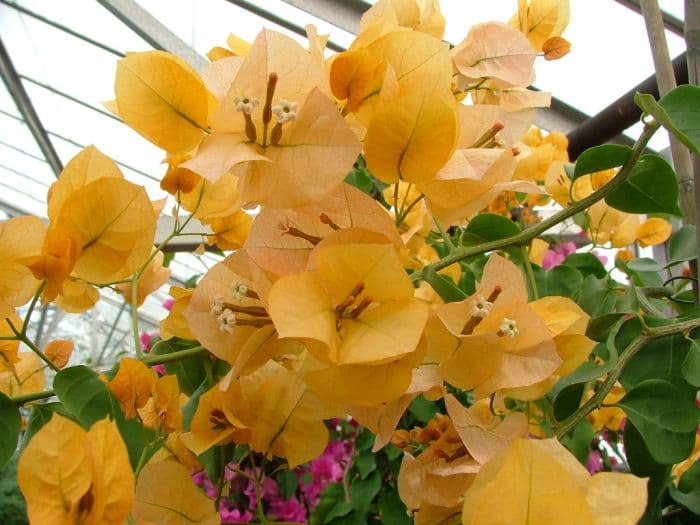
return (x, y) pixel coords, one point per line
(671, 23)
(152, 31)
(26, 109)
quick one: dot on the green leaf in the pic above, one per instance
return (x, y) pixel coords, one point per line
(599, 158)
(40, 415)
(567, 401)
(365, 464)
(596, 296)
(688, 491)
(190, 407)
(578, 441)
(340, 509)
(363, 491)
(287, 483)
(682, 245)
(490, 227)
(660, 359)
(691, 365)
(422, 409)
(10, 426)
(443, 286)
(678, 112)
(664, 418)
(560, 280)
(644, 264)
(189, 371)
(84, 395)
(392, 509)
(599, 327)
(650, 188)
(586, 263)
(361, 179)
(330, 495)
(639, 458)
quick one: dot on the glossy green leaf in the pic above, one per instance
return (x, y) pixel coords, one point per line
(688, 491)
(365, 463)
(392, 509)
(650, 188)
(683, 245)
(443, 286)
(10, 426)
(599, 327)
(644, 264)
(567, 401)
(490, 227)
(660, 359)
(287, 482)
(586, 263)
(596, 296)
(330, 496)
(560, 280)
(339, 510)
(363, 491)
(189, 371)
(678, 111)
(578, 441)
(361, 179)
(599, 158)
(664, 418)
(691, 365)
(84, 395)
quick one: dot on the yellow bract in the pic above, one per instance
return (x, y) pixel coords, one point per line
(20, 237)
(68, 475)
(132, 385)
(165, 493)
(26, 378)
(540, 20)
(162, 98)
(653, 231)
(540, 482)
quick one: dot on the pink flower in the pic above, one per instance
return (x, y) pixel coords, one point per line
(146, 339)
(595, 462)
(231, 514)
(288, 509)
(326, 468)
(602, 258)
(556, 256)
(168, 303)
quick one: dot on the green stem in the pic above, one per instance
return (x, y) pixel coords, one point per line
(648, 334)
(25, 325)
(34, 396)
(445, 236)
(396, 204)
(408, 209)
(258, 492)
(533, 231)
(22, 337)
(534, 292)
(151, 360)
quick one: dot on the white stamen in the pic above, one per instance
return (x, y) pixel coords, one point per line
(246, 104)
(509, 328)
(217, 307)
(481, 307)
(227, 320)
(285, 111)
(239, 291)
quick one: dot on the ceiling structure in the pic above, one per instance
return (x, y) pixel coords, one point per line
(58, 61)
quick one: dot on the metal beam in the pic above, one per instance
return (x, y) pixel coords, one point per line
(344, 14)
(26, 109)
(282, 22)
(621, 114)
(671, 23)
(152, 31)
(61, 27)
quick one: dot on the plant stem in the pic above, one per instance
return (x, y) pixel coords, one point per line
(151, 360)
(648, 334)
(533, 231)
(534, 292)
(445, 236)
(34, 396)
(21, 336)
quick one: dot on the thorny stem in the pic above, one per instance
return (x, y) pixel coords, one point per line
(445, 236)
(534, 292)
(533, 231)
(23, 338)
(648, 334)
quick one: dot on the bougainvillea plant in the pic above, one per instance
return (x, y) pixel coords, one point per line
(396, 333)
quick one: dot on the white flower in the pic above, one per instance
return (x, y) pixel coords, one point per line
(481, 307)
(246, 104)
(285, 111)
(227, 320)
(508, 328)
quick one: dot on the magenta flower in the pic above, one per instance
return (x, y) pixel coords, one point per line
(230, 513)
(556, 256)
(288, 509)
(595, 462)
(168, 303)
